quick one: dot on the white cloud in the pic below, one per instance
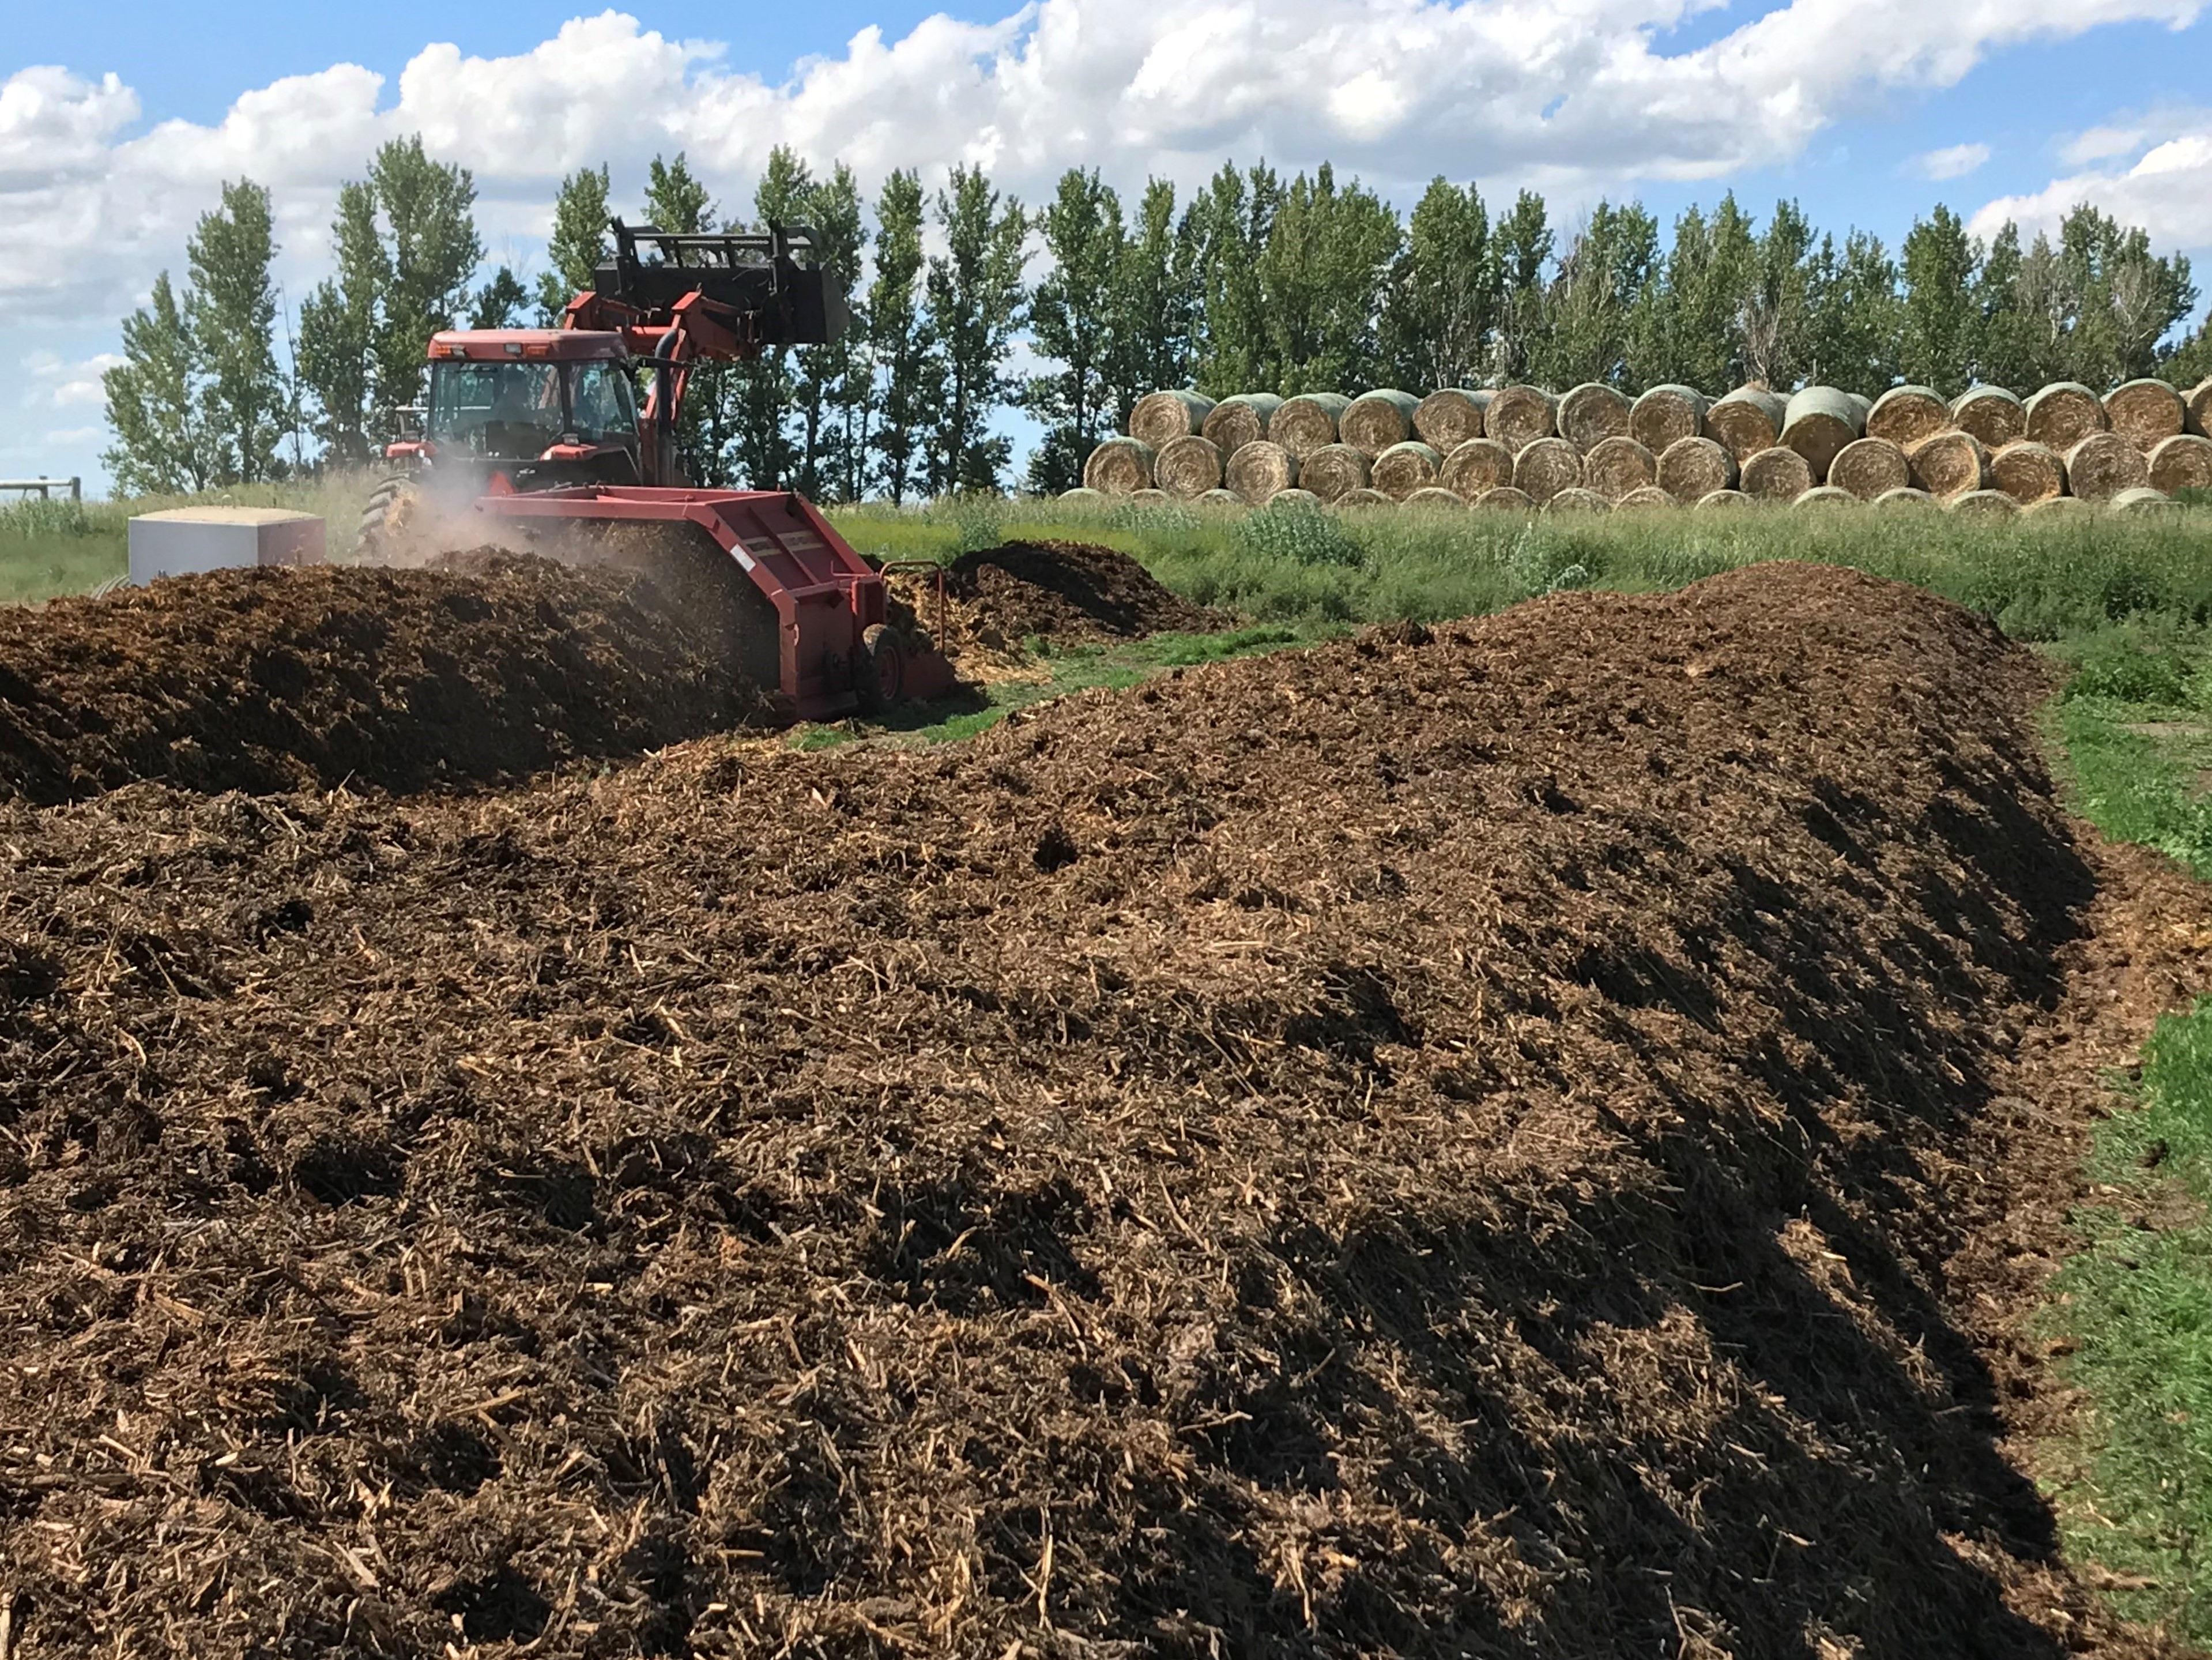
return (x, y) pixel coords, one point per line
(2167, 190)
(1955, 162)
(58, 383)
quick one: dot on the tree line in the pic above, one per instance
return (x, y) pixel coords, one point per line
(1256, 283)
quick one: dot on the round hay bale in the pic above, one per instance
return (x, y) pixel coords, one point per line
(1648, 499)
(1864, 404)
(1188, 467)
(1152, 498)
(1545, 467)
(2060, 507)
(2103, 464)
(2199, 400)
(1437, 498)
(1746, 421)
(1332, 470)
(1120, 466)
(1725, 500)
(1406, 467)
(1691, 468)
(1826, 495)
(2147, 412)
(1223, 499)
(1449, 416)
(1295, 497)
(1820, 422)
(1160, 416)
(1950, 463)
(1375, 420)
(1779, 474)
(2143, 499)
(1905, 415)
(1363, 497)
(1992, 414)
(1614, 466)
(2183, 462)
(1506, 499)
(2064, 413)
(2029, 472)
(1985, 504)
(1082, 493)
(1303, 424)
(1240, 420)
(1868, 467)
(1258, 473)
(1664, 415)
(1592, 413)
(1519, 416)
(1907, 498)
(1477, 467)
(1578, 500)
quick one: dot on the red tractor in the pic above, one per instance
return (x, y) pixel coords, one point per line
(537, 435)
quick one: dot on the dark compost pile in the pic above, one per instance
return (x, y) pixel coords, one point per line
(1069, 592)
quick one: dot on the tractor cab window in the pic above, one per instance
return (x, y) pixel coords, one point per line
(507, 409)
(603, 404)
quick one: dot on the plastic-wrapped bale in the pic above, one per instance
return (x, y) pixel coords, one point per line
(2147, 412)
(1748, 420)
(2029, 472)
(1307, 422)
(1364, 497)
(1120, 466)
(2064, 413)
(1650, 498)
(1825, 496)
(1664, 415)
(1332, 471)
(1222, 499)
(1240, 420)
(1890, 500)
(2143, 499)
(1985, 504)
(1614, 466)
(1375, 420)
(1779, 474)
(1188, 467)
(1545, 467)
(1450, 416)
(1519, 416)
(2199, 400)
(1476, 467)
(1507, 499)
(1577, 500)
(1258, 473)
(2183, 462)
(1590, 413)
(1723, 501)
(1691, 468)
(1437, 498)
(2103, 464)
(1868, 467)
(1818, 421)
(1993, 414)
(1905, 415)
(1951, 464)
(1161, 415)
(1152, 498)
(1406, 467)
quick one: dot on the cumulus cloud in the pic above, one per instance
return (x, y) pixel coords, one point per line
(1955, 162)
(2166, 189)
(57, 382)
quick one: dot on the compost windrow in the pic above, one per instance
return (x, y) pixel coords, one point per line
(1443, 1143)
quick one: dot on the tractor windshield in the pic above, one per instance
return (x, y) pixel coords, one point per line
(518, 411)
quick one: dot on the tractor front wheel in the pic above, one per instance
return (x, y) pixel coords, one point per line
(393, 506)
(879, 669)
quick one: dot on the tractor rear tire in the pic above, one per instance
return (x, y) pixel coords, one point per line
(392, 506)
(879, 669)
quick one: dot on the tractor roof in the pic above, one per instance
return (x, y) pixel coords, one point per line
(503, 345)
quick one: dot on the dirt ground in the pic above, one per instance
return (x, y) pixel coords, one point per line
(1532, 1139)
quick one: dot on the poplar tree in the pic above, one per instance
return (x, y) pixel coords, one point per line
(1321, 280)
(761, 392)
(833, 379)
(230, 317)
(1939, 328)
(501, 303)
(1772, 309)
(1443, 297)
(1232, 223)
(1153, 302)
(1591, 302)
(1075, 322)
(1522, 240)
(974, 291)
(162, 445)
(579, 242)
(1853, 316)
(899, 338)
(677, 201)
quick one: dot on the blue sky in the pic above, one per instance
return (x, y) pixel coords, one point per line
(1838, 102)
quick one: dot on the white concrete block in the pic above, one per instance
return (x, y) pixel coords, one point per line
(184, 541)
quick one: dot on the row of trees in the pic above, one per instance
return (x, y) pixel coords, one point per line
(1257, 284)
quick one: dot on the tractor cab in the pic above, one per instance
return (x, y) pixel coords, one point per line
(540, 408)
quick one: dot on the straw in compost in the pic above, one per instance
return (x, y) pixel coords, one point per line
(1577, 500)
(1545, 467)
(1691, 468)
(1950, 463)
(1721, 500)
(1518, 415)
(1447, 418)
(2029, 472)
(1120, 466)
(1907, 498)
(1664, 415)
(1905, 415)
(1779, 474)
(2064, 413)
(1375, 420)
(1868, 467)
(1259, 471)
(2143, 499)
(1161, 415)
(2146, 412)
(2183, 462)
(1406, 467)
(1508, 499)
(1992, 414)
(2102, 465)
(1436, 497)
(1188, 467)
(2199, 399)
(1332, 470)
(1820, 422)
(1826, 495)
(1477, 467)
(1649, 497)
(1748, 420)
(1241, 420)
(1984, 504)
(1615, 466)
(1364, 497)
(1307, 422)
(1590, 413)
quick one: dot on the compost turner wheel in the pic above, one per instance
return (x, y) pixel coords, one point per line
(392, 508)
